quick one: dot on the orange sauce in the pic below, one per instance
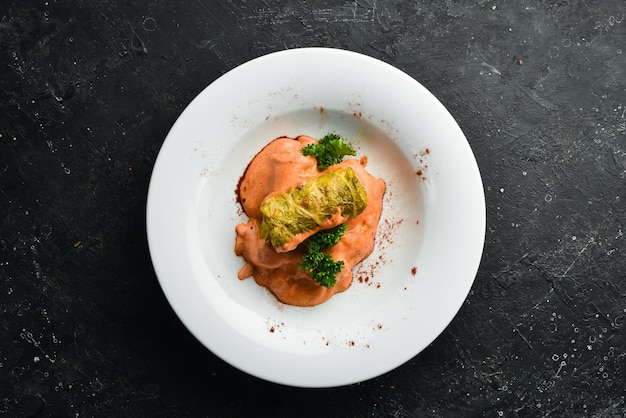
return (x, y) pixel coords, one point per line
(278, 168)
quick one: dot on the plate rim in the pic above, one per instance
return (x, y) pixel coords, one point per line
(167, 143)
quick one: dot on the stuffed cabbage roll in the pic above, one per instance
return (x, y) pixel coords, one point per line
(290, 217)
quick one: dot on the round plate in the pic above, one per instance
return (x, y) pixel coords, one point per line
(428, 246)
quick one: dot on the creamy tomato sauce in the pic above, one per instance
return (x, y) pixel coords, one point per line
(278, 168)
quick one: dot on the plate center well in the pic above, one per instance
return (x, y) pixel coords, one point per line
(378, 277)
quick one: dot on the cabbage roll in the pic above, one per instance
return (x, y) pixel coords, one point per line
(306, 207)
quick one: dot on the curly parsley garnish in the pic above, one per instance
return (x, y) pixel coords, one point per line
(321, 266)
(330, 150)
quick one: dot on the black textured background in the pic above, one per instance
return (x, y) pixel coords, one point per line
(88, 92)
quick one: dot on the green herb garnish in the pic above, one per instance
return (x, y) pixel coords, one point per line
(321, 266)
(330, 150)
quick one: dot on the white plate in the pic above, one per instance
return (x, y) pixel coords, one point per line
(429, 243)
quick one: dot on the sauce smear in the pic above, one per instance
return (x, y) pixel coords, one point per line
(278, 168)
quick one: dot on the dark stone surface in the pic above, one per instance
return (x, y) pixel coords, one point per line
(88, 92)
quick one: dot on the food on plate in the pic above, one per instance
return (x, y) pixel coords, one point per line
(328, 151)
(321, 266)
(291, 217)
(312, 217)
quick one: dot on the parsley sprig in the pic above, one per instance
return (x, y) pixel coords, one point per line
(321, 266)
(328, 151)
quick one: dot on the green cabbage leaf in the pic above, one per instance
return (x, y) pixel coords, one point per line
(304, 208)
